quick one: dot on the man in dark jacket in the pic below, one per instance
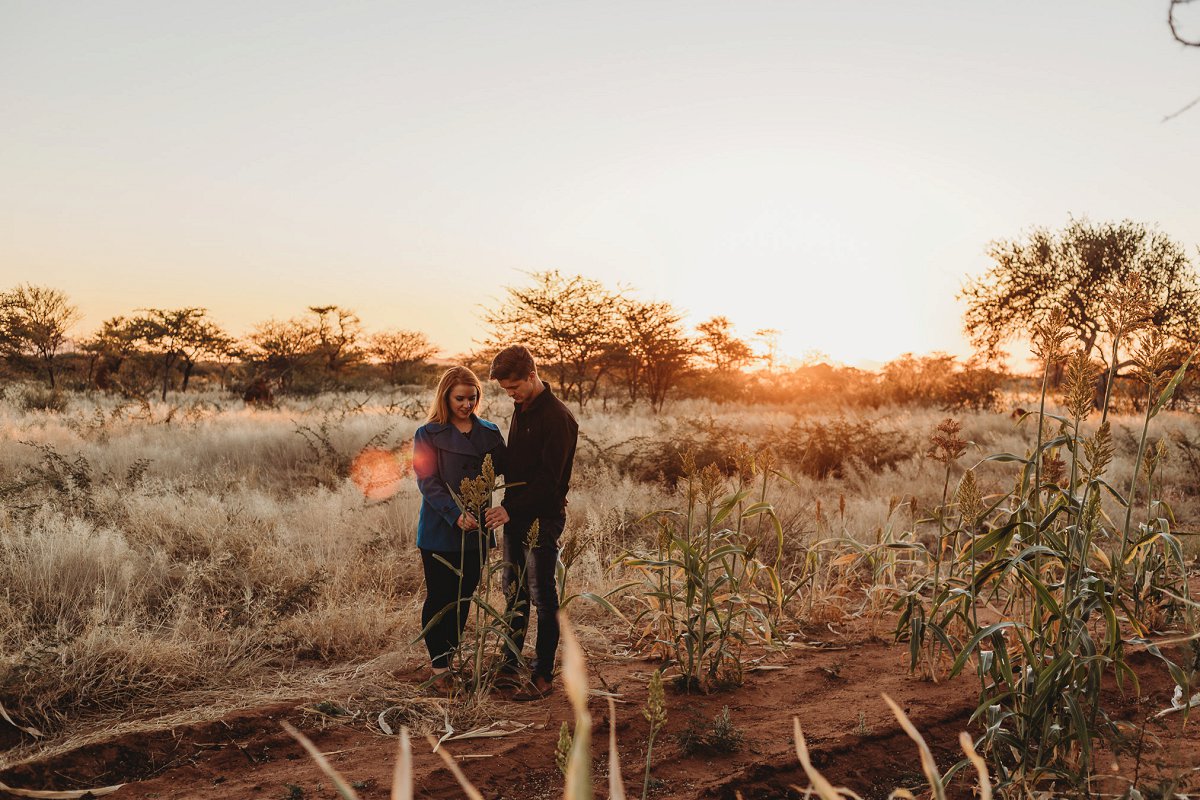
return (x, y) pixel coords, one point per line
(541, 449)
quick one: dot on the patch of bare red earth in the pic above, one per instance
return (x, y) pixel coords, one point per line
(833, 688)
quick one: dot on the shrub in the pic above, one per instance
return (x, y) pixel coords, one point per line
(830, 448)
(720, 735)
(708, 443)
(38, 399)
(939, 380)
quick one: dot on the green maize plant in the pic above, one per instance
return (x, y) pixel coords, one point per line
(878, 567)
(706, 594)
(476, 662)
(1069, 584)
(568, 554)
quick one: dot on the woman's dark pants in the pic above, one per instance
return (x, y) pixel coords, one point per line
(529, 576)
(442, 588)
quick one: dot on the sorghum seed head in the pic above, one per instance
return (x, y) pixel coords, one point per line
(969, 499)
(1049, 336)
(1081, 377)
(531, 538)
(1053, 467)
(1152, 356)
(1126, 307)
(655, 711)
(712, 483)
(562, 750)
(945, 445)
(1098, 451)
(688, 459)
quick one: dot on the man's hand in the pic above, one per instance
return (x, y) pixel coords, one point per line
(496, 516)
(467, 522)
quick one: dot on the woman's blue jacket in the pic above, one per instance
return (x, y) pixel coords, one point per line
(442, 457)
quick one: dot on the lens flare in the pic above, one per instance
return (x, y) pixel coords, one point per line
(378, 473)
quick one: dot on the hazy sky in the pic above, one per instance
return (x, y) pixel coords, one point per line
(829, 169)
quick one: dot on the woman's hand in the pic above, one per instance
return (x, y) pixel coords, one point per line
(467, 522)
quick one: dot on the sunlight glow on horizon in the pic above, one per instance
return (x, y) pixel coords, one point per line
(822, 170)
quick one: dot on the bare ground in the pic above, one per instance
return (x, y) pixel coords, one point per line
(831, 681)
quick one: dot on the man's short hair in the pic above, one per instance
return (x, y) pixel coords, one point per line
(512, 363)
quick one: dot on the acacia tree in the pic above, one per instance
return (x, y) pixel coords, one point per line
(34, 321)
(724, 351)
(337, 331)
(204, 339)
(401, 353)
(1076, 270)
(282, 349)
(226, 354)
(108, 348)
(770, 342)
(657, 352)
(569, 323)
(178, 337)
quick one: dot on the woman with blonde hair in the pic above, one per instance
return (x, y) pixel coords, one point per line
(450, 446)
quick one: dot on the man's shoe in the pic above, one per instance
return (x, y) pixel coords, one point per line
(508, 678)
(538, 688)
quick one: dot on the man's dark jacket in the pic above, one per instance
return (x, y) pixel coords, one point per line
(541, 448)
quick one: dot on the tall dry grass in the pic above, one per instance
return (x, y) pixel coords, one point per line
(153, 554)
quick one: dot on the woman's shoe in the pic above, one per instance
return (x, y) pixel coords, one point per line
(440, 684)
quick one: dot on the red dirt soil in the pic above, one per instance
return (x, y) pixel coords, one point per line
(832, 686)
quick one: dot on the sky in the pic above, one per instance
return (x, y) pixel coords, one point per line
(832, 170)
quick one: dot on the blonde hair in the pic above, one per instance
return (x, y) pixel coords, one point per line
(439, 410)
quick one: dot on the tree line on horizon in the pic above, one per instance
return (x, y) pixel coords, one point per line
(598, 343)
(591, 334)
(593, 343)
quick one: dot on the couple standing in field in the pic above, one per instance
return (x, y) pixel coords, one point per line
(452, 445)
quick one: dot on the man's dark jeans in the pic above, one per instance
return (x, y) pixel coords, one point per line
(529, 577)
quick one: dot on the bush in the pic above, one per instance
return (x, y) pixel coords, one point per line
(817, 448)
(829, 448)
(705, 439)
(38, 399)
(939, 380)
(720, 735)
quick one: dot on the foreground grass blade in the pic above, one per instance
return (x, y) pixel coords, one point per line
(985, 781)
(459, 776)
(579, 765)
(927, 762)
(616, 783)
(339, 783)
(402, 776)
(73, 794)
(822, 786)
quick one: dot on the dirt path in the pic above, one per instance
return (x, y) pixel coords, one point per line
(833, 688)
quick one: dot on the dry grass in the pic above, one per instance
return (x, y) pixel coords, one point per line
(164, 557)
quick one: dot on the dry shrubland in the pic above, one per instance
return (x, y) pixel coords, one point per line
(154, 551)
